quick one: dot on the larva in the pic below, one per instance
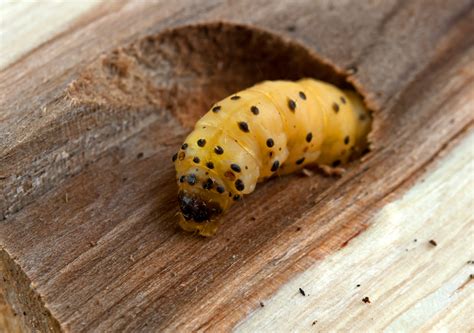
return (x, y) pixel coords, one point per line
(274, 127)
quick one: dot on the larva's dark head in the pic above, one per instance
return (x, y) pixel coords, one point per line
(198, 213)
(197, 209)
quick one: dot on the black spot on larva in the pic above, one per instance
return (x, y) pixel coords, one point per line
(181, 155)
(275, 166)
(254, 110)
(343, 100)
(270, 143)
(239, 185)
(220, 189)
(335, 107)
(175, 156)
(309, 137)
(216, 108)
(302, 95)
(362, 117)
(184, 146)
(235, 167)
(244, 127)
(346, 140)
(236, 197)
(196, 159)
(182, 179)
(270, 154)
(246, 167)
(210, 165)
(235, 97)
(291, 104)
(192, 179)
(230, 194)
(208, 184)
(201, 142)
(219, 150)
(300, 161)
(336, 163)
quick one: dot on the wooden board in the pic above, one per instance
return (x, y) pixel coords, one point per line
(91, 112)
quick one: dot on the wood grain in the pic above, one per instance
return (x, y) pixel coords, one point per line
(89, 239)
(9, 320)
(17, 17)
(408, 299)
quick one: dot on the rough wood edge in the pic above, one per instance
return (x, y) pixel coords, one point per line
(22, 297)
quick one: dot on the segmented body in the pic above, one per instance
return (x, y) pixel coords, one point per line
(275, 127)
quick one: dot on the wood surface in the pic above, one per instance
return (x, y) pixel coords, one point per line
(92, 110)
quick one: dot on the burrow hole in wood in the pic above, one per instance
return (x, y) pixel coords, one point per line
(186, 70)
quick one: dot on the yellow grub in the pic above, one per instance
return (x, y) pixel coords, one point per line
(275, 127)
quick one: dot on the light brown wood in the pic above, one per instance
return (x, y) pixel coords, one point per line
(90, 118)
(393, 263)
(9, 320)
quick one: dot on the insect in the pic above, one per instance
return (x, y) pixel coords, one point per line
(272, 128)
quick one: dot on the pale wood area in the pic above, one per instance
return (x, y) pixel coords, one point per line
(411, 284)
(95, 97)
(25, 25)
